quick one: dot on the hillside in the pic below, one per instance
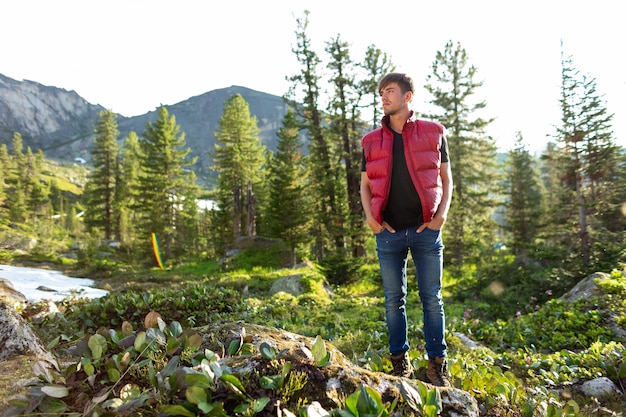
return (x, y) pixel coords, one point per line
(61, 123)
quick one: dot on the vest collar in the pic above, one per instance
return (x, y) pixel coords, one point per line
(412, 119)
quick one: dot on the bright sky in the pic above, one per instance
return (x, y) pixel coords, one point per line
(131, 56)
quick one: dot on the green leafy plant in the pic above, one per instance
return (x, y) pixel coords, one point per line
(427, 402)
(320, 355)
(365, 401)
(197, 303)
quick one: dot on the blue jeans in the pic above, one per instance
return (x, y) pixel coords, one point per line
(427, 253)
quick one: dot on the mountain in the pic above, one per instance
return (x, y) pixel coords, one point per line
(61, 123)
(198, 117)
(48, 118)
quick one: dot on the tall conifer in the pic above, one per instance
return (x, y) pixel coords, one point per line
(38, 192)
(289, 210)
(470, 228)
(187, 218)
(4, 172)
(375, 65)
(238, 158)
(305, 89)
(345, 125)
(16, 178)
(162, 181)
(588, 165)
(100, 198)
(524, 208)
(127, 189)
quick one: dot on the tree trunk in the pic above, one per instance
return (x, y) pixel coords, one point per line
(582, 221)
(251, 217)
(237, 209)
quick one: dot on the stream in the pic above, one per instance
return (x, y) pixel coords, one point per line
(44, 284)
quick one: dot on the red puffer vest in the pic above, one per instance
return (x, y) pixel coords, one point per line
(422, 141)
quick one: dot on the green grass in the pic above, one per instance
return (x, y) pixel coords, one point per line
(520, 365)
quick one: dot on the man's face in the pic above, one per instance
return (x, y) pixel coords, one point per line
(393, 99)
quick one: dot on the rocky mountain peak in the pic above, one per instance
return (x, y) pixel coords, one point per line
(43, 115)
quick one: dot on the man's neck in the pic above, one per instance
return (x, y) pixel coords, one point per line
(397, 120)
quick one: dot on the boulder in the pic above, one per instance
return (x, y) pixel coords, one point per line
(291, 284)
(599, 387)
(586, 288)
(9, 293)
(467, 341)
(327, 384)
(18, 338)
(331, 384)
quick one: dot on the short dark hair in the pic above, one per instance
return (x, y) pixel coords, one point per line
(404, 81)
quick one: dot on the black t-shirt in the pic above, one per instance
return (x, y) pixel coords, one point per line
(404, 207)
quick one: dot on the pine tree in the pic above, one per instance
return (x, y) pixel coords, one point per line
(127, 188)
(220, 222)
(19, 159)
(187, 231)
(71, 224)
(38, 192)
(587, 161)
(101, 211)
(238, 158)
(557, 230)
(57, 200)
(345, 124)
(524, 193)
(5, 164)
(162, 181)
(260, 198)
(615, 218)
(470, 228)
(289, 210)
(16, 201)
(376, 64)
(306, 83)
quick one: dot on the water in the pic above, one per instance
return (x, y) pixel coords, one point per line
(31, 281)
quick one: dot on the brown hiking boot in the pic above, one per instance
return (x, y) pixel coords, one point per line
(402, 365)
(436, 373)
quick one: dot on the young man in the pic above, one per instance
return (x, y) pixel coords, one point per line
(406, 188)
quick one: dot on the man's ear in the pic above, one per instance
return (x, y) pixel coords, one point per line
(408, 96)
